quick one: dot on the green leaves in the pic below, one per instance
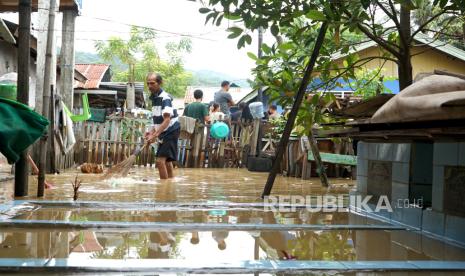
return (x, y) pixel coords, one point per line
(286, 46)
(274, 29)
(235, 32)
(252, 56)
(365, 3)
(204, 10)
(316, 15)
(244, 39)
(140, 53)
(266, 49)
(231, 16)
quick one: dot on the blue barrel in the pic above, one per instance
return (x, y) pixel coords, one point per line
(219, 130)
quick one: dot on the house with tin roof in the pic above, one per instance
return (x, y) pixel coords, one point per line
(428, 55)
(101, 91)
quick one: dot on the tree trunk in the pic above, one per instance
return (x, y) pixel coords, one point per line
(319, 164)
(405, 71)
(405, 63)
(295, 108)
(22, 167)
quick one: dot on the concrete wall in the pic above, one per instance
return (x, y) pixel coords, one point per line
(8, 64)
(400, 245)
(436, 220)
(432, 220)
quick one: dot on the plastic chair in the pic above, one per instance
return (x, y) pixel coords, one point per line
(85, 113)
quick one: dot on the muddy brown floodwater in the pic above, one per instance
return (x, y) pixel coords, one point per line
(122, 200)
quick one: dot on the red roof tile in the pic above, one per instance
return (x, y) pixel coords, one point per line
(94, 74)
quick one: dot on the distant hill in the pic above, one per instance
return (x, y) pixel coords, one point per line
(199, 77)
(93, 58)
(83, 57)
(213, 78)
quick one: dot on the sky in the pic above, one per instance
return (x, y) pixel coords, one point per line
(211, 48)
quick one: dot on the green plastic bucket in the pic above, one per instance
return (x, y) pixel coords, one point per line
(8, 91)
(219, 130)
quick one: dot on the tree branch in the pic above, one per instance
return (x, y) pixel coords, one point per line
(380, 41)
(370, 80)
(393, 16)
(394, 12)
(422, 26)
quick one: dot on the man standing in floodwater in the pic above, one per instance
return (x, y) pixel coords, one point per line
(224, 99)
(167, 127)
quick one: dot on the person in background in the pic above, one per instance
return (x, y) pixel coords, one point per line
(273, 112)
(167, 127)
(237, 116)
(195, 238)
(216, 114)
(197, 109)
(220, 237)
(224, 99)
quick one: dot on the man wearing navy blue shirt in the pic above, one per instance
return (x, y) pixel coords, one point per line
(167, 127)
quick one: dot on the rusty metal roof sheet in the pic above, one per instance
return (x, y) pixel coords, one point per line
(94, 74)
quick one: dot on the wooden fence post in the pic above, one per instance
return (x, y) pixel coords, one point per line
(46, 98)
(254, 143)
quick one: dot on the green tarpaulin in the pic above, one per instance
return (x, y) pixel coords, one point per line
(20, 127)
(335, 158)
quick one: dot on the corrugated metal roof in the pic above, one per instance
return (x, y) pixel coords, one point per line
(122, 86)
(441, 46)
(419, 38)
(94, 74)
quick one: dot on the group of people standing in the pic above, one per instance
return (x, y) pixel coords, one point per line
(219, 108)
(166, 128)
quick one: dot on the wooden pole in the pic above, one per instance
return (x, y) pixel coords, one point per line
(131, 89)
(46, 98)
(67, 62)
(295, 108)
(22, 167)
(260, 42)
(254, 143)
(67, 57)
(41, 25)
(319, 164)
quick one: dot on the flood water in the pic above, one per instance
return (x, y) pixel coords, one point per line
(178, 201)
(234, 185)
